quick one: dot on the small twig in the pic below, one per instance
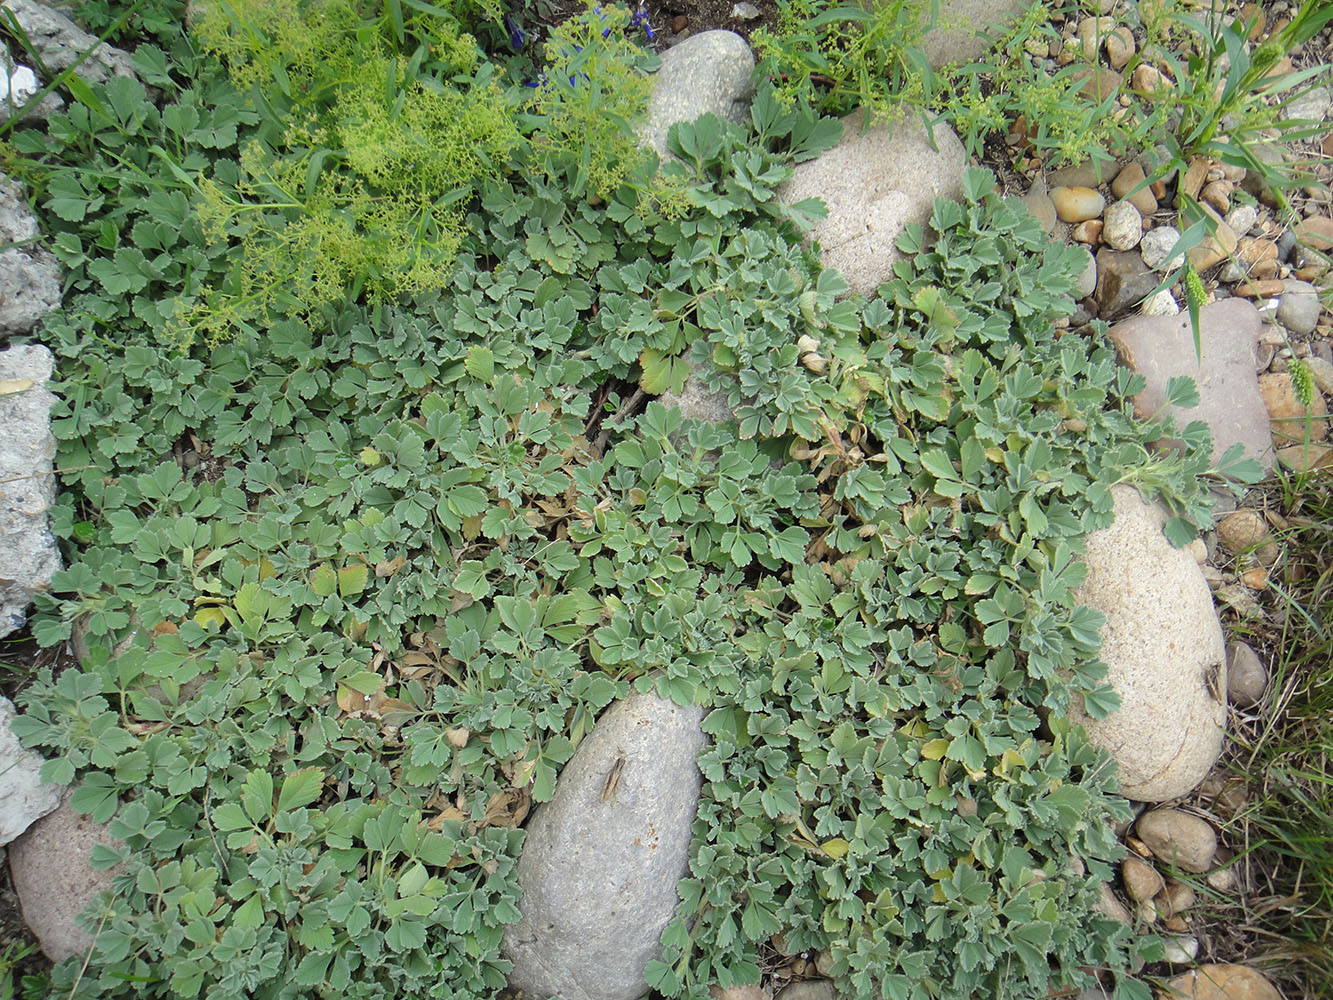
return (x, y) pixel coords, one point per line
(89, 956)
(39, 475)
(618, 418)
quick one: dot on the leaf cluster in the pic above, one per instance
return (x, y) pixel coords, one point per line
(353, 585)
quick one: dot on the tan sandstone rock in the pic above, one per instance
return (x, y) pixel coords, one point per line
(1220, 982)
(1162, 644)
(875, 183)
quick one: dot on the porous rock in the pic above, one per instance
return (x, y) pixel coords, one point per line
(51, 865)
(707, 72)
(1162, 645)
(810, 989)
(29, 274)
(874, 182)
(1155, 247)
(60, 42)
(1161, 347)
(1220, 982)
(601, 860)
(24, 798)
(28, 553)
(698, 402)
(961, 32)
(1123, 226)
(1178, 838)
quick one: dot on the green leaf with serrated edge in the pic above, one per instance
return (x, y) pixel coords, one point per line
(661, 373)
(480, 363)
(257, 796)
(300, 788)
(324, 582)
(352, 580)
(364, 682)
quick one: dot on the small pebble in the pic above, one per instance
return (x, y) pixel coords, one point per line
(1299, 307)
(1125, 184)
(1310, 105)
(1322, 370)
(1160, 303)
(1285, 242)
(1247, 679)
(1245, 532)
(1119, 47)
(1223, 879)
(1178, 838)
(745, 11)
(1180, 950)
(1089, 232)
(1091, 31)
(1217, 194)
(1077, 204)
(1178, 897)
(1142, 881)
(1122, 226)
(1241, 218)
(1156, 244)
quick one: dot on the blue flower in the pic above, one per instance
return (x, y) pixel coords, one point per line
(641, 19)
(517, 36)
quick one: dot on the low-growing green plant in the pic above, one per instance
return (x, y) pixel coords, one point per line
(589, 97)
(1227, 94)
(358, 178)
(353, 584)
(159, 20)
(842, 57)
(1060, 115)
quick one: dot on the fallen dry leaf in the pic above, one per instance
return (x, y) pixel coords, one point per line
(507, 808)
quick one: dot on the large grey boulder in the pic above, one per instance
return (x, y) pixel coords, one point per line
(51, 865)
(28, 553)
(60, 42)
(1162, 645)
(24, 799)
(601, 861)
(874, 183)
(708, 72)
(1162, 347)
(29, 274)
